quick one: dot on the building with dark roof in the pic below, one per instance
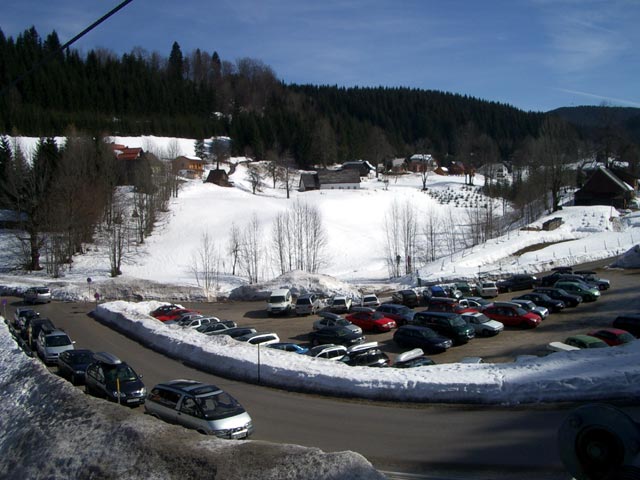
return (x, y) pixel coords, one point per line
(605, 188)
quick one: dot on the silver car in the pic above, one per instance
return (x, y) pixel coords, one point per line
(199, 406)
(51, 343)
(37, 295)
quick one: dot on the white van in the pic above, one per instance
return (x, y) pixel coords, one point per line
(280, 302)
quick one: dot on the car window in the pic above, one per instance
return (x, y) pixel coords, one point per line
(190, 407)
(164, 397)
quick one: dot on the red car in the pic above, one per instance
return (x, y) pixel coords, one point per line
(512, 315)
(613, 336)
(371, 320)
(170, 314)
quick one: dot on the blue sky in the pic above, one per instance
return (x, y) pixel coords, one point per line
(532, 54)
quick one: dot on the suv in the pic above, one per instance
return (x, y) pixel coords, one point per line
(451, 325)
(280, 302)
(487, 289)
(340, 304)
(37, 295)
(111, 378)
(414, 336)
(307, 304)
(199, 406)
(517, 282)
(569, 299)
(51, 343)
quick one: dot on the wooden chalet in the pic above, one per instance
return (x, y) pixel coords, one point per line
(605, 188)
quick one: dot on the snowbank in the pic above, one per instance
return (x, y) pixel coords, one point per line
(52, 430)
(599, 374)
(630, 259)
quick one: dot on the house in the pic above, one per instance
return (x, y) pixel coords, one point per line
(605, 188)
(329, 180)
(308, 181)
(187, 166)
(135, 166)
(456, 168)
(219, 177)
(441, 170)
(421, 162)
(495, 171)
(362, 166)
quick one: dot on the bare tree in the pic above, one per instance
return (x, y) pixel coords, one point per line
(251, 250)
(205, 266)
(393, 243)
(286, 178)
(378, 147)
(254, 177)
(234, 246)
(115, 232)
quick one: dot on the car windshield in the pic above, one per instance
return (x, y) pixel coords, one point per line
(124, 373)
(57, 341)
(488, 285)
(520, 311)
(303, 301)
(626, 337)
(480, 318)
(427, 333)
(219, 405)
(339, 301)
(370, 298)
(276, 299)
(457, 321)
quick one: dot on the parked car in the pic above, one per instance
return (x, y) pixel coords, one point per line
(328, 351)
(259, 338)
(308, 304)
(473, 302)
(450, 325)
(370, 320)
(613, 336)
(556, 277)
(444, 304)
(280, 302)
(289, 347)
(437, 291)
(487, 289)
(415, 336)
(213, 328)
(35, 295)
(543, 300)
(406, 297)
(172, 315)
(111, 378)
(20, 316)
(592, 277)
(33, 327)
(234, 332)
(585, 341)
(340, 304)
(370, 300)
(51, 343)
(529, 306)
(569, 299)
(466, 288)
(483, 325)
(512, 315)
(411, 359)
(520, 281)
(335, 335)
(629, 322)
(184, 318)
(365, 355)
(400, 313)
(333, 320)
(166, 309)
(199, 406)
(587, 292)
(72, 364)
(197, 321)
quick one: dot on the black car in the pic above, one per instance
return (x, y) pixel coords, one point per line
(543, 300)
(72, 364)
(592, 277)
(406, 297)
(630, 323)
(569, 299)
(400, 313)
(517, 282)
(590, 280)
(414, 336)
(367, 356)
(451, 325)
(111, 378)
(233, 332)
(336, 335)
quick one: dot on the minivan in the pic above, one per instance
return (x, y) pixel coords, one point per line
(451, 325)
(280, 302)
(111, 378)
(199, 406)
(587, 292)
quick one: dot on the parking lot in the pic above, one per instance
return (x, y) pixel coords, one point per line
(622, 298)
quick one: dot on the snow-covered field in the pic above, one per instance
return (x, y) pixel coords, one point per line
(160, 270)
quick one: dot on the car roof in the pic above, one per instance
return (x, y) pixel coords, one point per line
(107, 358)
(191, 386)
(363, 309)
(56, 331)
(439, 314)
(585, 338)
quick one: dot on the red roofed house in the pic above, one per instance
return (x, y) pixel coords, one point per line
(134, 165)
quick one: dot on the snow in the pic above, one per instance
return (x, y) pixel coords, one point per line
(354, 220)
(51, 429)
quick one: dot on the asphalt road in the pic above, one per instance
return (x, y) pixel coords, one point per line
(431, 441)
